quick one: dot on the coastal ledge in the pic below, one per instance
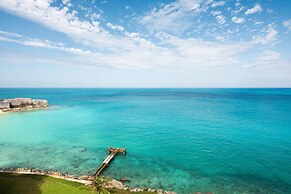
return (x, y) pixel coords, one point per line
(21, 104)
(84, 179)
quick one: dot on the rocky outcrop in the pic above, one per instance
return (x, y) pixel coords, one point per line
(4, 104)
(39, 103)
(18, 104)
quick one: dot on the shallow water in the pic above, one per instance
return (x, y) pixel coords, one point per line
(186, 140)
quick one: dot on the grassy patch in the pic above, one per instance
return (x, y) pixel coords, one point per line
(11, 183)
(16, 183)
(36, 184)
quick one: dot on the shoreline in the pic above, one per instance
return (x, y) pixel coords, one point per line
(84, 179)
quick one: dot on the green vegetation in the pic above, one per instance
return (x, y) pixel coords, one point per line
(11, 183)
(36, 184)
(98, 185)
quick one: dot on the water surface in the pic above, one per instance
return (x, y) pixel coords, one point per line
(186, 140)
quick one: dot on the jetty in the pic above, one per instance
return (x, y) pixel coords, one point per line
(112, 152)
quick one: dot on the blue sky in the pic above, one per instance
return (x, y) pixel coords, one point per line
(138, 43)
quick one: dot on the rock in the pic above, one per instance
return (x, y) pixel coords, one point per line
(114, 184)
(20, 170)
(91, 178)
(4, 104)
(84, 177)
(39, 103)
(160, 191)
(71, 177)
(53, 173)
(36, 171)
(124, 180)
(20, 102)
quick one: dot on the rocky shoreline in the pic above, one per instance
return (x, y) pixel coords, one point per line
(21, 104)
(84, 179)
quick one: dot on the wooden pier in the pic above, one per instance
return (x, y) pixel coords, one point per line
(112, 152)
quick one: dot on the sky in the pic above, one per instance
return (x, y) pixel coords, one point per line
(145, 43)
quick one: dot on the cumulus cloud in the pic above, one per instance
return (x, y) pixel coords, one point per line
(287, 24)
(253, 10)
(238, 20)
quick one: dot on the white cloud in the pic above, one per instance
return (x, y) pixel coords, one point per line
(217, 3)
(287, 24)
(184, 53)
(10, 34)
(172, 17)
(253, 10)
(236, 11)
(258, 23)
(269, 10)
(265, 58)
(132, 50)
(220, 19)
(65, 1)
(268, 57)
(115, 27)
(269, 35)
(95, 16)
(238, 20)
(215, 13)
(62, 20)
(19, 39)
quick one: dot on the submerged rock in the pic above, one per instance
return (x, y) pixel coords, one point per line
(124, 180)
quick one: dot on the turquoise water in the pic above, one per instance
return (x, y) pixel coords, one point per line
(186, 140)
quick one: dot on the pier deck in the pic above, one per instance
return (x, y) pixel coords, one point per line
(112, 152)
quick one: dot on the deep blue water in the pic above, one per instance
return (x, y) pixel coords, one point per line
(186, 140)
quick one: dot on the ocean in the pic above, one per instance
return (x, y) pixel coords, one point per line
(184, 140)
